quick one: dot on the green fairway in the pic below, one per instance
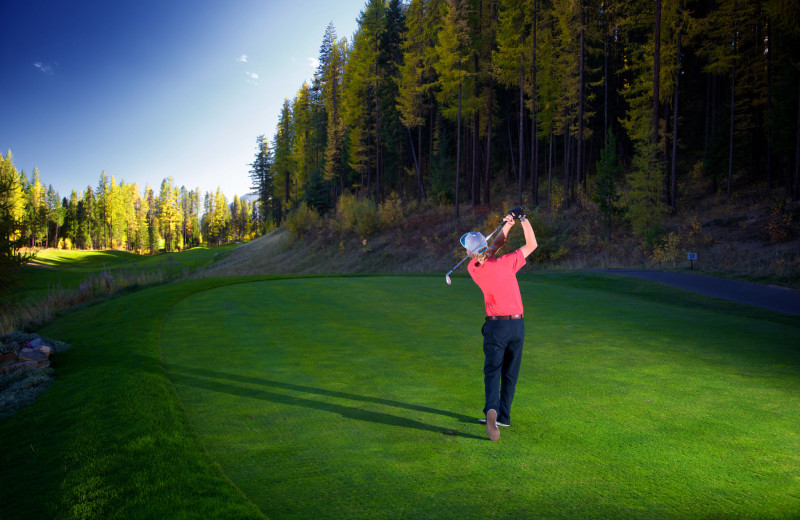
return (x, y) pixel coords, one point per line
(358, 397)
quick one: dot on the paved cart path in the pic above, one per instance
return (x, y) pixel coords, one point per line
(778, 299)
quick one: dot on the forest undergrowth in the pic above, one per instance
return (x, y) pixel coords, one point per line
(754, 237)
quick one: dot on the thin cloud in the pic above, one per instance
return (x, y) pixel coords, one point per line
(44, 68)
(243, 58)
(253, 78)
(313, 62)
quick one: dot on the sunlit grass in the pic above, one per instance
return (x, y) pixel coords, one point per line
(59, 279)
(358, 397)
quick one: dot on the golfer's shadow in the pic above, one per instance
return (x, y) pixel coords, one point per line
(227, 383)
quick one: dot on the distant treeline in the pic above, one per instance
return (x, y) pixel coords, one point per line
(116, 216)
(623, 100)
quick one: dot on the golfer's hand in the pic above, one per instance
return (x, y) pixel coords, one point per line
(517, 212)
(509, 219)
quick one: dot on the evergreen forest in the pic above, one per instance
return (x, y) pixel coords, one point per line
(623, 101)
(455, 103)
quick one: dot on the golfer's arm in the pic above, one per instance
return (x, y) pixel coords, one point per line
(501, 237)
(530, 239)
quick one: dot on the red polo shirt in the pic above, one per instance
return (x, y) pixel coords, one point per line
(497, 278)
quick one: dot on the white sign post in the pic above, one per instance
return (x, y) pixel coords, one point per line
(692, 257)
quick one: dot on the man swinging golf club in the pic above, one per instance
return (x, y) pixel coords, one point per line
(504, 329)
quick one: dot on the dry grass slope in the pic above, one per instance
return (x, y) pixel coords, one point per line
(751, 237)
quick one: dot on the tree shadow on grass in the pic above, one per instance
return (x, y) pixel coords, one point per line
(213, 380)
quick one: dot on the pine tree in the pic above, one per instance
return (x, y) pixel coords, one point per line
(261, 177)
(643, 198)
(35, 209)
(510, 62)
(361, 114)
(71, 225)
(333, 59)
(725, 29)
(453, 49)
(416, 79)
(55, 216)
(90, 231)
(609, 173)
(103, 208)
(11, 225)
(548, 89)
(284, 161)
(390, 58)
(302, 141)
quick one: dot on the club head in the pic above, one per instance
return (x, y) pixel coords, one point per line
(447, 278)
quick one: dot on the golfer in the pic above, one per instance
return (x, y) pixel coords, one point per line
(504, 329)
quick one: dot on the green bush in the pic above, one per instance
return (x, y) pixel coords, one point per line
(354, 215)
(302, 220)
(390, 212)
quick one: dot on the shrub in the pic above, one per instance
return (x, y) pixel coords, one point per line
(354, 215)
(673, 247)
(390, 212)
(557, 197)
(779, 224)
(366, 215)
(550, 239)
(302, 220)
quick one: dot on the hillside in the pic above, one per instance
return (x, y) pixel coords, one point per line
(752, 237)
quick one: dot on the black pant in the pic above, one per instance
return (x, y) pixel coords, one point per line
(502, 348)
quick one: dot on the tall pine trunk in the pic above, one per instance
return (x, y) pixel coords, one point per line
(489, 122)
(605, 81)
(416, 163)
(730, 136)
(673, 192)
(476, 184)
(378, 152)
(707, 134)
(733, 110)
(550, 173)
(521, 139)
(796, 194)
(458, 146)
(769, 113)
(534, 138)
(656, 69)
(579, 162)
(422, 195)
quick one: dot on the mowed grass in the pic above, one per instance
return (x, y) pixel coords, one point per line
(358, 397)
(66, 269)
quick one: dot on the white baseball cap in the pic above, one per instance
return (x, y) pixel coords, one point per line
(474, 242)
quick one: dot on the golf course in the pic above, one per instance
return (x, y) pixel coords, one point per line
(359, 397)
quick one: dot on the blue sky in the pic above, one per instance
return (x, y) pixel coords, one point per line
(148, 89)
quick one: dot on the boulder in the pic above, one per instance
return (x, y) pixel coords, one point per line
(8, 356)
(7, 368)
(46, 349)
(32, 354)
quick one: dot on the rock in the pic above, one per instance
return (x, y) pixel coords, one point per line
(43, 364)
(46, 349)
(9, 356)
(32, 354)
(36, 342)
(7, 368)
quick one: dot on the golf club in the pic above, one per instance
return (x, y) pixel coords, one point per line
(447, 276)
